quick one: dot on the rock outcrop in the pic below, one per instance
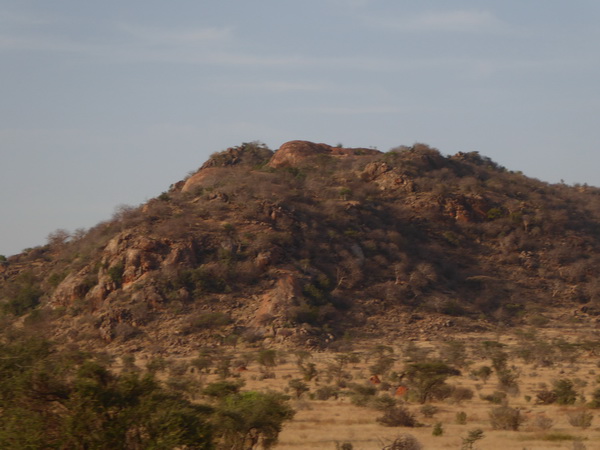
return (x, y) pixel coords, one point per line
(293, 153)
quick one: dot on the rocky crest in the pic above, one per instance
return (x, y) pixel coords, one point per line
(293, 153)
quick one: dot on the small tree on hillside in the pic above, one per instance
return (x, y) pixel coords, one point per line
(427, 378)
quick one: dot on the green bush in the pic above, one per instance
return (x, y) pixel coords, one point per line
(67, 400)
(496, 398)
(473, 436)
(595, 403)
(208, 321)
(23, 295)
(115, 273)
(221, 389)
(564, 392)
(298, 386)
(429, 378)
(248, 419)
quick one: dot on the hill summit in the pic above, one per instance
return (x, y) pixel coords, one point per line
(312, 243)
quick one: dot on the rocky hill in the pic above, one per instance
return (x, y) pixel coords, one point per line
(312, 244)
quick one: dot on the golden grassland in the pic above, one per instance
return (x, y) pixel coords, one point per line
(327, 424)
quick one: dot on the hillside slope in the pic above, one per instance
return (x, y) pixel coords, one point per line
(312, 243)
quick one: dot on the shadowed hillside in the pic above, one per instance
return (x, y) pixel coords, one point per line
(312, 243)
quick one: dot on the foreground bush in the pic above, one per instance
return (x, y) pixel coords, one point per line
(51, 399)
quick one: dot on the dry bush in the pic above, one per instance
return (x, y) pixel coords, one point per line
(404, 442)
(460, 394)
(397, 416)
(543, 422)
(326, 392)
(580, 419)
(429, 410)
(506, 418)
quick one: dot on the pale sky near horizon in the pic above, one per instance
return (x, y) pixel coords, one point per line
(108, 103)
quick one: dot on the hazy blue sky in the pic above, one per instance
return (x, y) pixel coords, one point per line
(109, 102)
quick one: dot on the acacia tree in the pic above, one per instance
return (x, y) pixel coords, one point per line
(248, 419)
(51, 399)
(427, 378)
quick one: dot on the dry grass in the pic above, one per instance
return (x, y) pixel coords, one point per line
(321, 424)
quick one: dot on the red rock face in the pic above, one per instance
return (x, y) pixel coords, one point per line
(293, 152)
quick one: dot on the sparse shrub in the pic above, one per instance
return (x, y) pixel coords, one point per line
(267, 358)
(473, 436)
(461, 418)
(543, 422)
(505, 418)
(414, 353)
(545, 397)
(156, 364)
(344, 446)
(115, 273)
(564, 392)
(383, 365)
(56, 278)
(203, 362)
(454, 353)
(178, 369)
(125, 331)
(397, 416)
(429, 410)
(538, 320)
(483, 373)
(404, 442)
(460, 394)
(507, 381)
(382, 403)
(337, 371)
(580, 419)
(499, 358)
(309, 370)
(223, 366)
(326, 392)
(23, 295)
(361, 394)
(494, 213)
(595, 403)
(128, 362)
(207, 321)
(298, 386)
(438, 429)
